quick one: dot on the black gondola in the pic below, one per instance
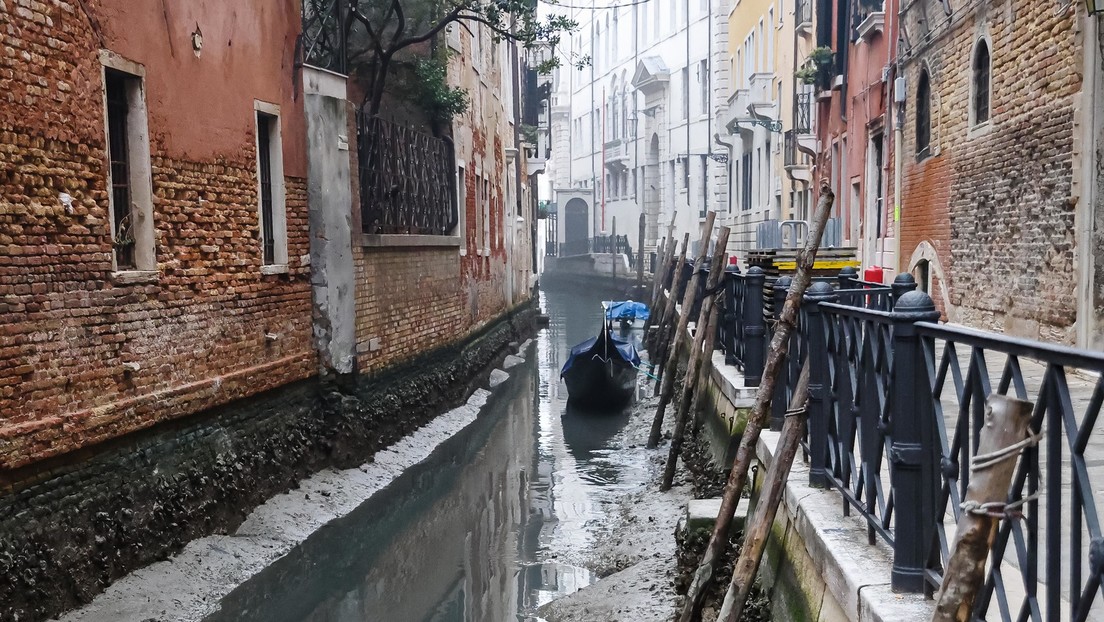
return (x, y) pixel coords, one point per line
(601, 371)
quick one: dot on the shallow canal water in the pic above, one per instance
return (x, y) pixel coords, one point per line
(494, 524)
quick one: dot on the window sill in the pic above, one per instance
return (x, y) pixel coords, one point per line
(134, 277)
(978, 130)
(376, 240)
(274, 269)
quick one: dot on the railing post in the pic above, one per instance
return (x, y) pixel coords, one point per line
(847, 277)
(755, 327)
(902, 284)
(915, 455)
(781, 398)
(728, 322)
(817, 350)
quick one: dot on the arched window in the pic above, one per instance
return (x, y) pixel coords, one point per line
(923, 113)
(981, 65)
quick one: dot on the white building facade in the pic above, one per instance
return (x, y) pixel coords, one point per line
(634, 131)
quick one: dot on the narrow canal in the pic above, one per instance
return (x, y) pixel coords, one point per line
(497, 522)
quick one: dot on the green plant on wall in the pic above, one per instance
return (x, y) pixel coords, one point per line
(818, 59)
(433, 93)
(529, 134)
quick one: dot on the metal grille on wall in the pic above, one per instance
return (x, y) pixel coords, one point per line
(322, 43)
(406, 179)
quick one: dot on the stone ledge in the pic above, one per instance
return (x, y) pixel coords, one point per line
(856, 574)
(375, 240)
(134, 277)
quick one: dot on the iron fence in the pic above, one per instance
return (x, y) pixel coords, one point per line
(600, 244)
(322, 42)
(406, 179)
(896, 406)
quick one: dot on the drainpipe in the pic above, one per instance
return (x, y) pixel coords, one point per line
(731, 154)
(593, 178)
(898, 157)
(1085, 324)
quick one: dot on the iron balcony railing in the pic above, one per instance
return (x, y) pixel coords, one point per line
(894, 428)
(789, 144)
(804, 12)
(599, 244)
(407, 183)
(322, 42)
(803, 113)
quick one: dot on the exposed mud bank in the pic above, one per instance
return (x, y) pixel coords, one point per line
(71, 529)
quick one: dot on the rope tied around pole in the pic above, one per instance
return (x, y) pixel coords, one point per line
(986, 461)
(998, 509)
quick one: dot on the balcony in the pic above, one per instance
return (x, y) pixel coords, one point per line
(805, 124)
(796, 162)
(762, 94)
(617, 155)
(804, 16)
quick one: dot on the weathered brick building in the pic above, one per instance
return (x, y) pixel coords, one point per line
(854, 125)
(137, 280)
(990, 161)
(181, 228)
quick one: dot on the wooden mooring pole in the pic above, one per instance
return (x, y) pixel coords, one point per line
(660, 341)
(770, 497)
(1003, 436)
(640, 258)
(668, 362)
(657, 295)
(706, 331)
(760, 412)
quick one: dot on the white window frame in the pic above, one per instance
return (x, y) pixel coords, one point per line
(462, 206)
(139, 167)
(279, 191)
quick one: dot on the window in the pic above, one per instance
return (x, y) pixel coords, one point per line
(685, 78)
(770, 41)
(703, 86)
(745, 182)
(462, 207)
(270, 181)
(129, 173)
(923, 114)
(981, 66)
(486, 216)
(704, 183)
(876, 189)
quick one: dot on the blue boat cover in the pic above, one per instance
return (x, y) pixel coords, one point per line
(624, 350)
(627, 310)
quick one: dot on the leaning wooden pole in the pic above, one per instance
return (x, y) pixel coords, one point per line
(707, 331)
(1003, 436)
(659, 341)
(640, 258)
(760, 412)
(668, 361)
(657, 295)
(666, 247)
(770, 497)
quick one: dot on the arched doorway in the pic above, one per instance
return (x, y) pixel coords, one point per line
(576, 229)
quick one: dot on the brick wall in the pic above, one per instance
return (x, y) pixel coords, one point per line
(67, 325)
(996, 200)
(407, 301)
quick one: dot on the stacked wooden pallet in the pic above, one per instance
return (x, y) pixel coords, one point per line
(783, 261)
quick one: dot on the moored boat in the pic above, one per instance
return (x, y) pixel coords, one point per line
(601, 372)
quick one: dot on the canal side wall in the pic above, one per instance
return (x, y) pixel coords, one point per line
(818, 564)
(73, 527)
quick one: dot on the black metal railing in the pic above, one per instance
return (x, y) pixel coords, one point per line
(789, 146)
(599, 244)
(742, 333)
(322, 42)
(803, 113)
(896, 404)
(407, 183)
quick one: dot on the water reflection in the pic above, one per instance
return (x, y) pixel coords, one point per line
(494, 524)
